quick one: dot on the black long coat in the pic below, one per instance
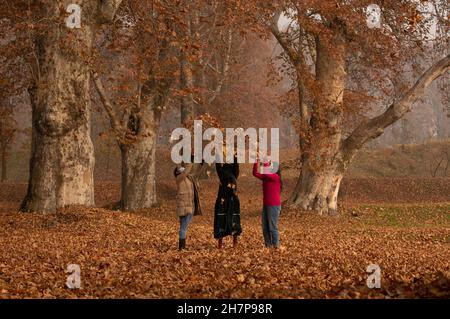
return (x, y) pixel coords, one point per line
(227, 212)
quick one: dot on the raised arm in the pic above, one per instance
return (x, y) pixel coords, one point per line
(268, 176)
(255, 171)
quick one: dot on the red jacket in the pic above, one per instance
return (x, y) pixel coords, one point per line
(271, 186)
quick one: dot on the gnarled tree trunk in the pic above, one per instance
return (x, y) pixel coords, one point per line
(138, 165)
(317, 189)
(61, 168)
(321, 173)
(62, 154)
(137, 138)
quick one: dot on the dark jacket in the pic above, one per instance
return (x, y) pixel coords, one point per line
(227, 212)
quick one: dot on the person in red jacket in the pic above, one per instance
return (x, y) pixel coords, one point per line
(272, 186)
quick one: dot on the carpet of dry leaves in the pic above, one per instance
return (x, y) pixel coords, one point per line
(134, 255)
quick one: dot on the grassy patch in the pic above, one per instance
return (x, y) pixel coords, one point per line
(402, 160)
(407, 215)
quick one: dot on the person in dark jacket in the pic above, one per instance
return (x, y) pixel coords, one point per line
(227, 212)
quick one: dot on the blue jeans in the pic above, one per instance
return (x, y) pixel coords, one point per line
(270, 218)
(184, 223)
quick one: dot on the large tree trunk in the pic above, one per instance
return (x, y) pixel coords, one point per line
(61, 169)
(317, 188)
(62, 158)
(137, 137)
(62, 154)
(138, 165)
(321, 171)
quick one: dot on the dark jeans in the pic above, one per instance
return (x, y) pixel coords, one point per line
(270, 218)
(184, 223)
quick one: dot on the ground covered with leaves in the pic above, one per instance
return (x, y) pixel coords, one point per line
(129, 255)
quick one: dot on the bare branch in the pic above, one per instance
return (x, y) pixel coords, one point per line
(115, 123)
(281, 38)
(226, 67)
(375, 127)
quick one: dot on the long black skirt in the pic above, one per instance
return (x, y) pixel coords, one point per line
(227, 216)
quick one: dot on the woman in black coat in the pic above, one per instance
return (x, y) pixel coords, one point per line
(227, 212)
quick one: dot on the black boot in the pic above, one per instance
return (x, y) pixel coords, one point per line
(182, 244)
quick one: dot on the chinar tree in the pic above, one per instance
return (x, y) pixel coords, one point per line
(147, 42)
(343, 60)
(164, 47)
(62, 157)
